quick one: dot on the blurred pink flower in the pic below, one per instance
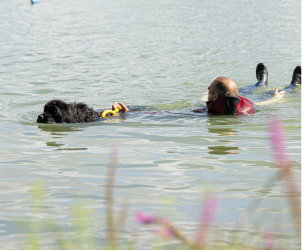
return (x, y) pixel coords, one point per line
(164, 232)
(208, 214)
(271, 241)
(209, 210)
(278, 140)
(145, 218)
(165, 222)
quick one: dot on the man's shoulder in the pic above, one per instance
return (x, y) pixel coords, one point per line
(246, 99)
(246, 105)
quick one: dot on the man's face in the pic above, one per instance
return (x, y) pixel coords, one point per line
(212, 97)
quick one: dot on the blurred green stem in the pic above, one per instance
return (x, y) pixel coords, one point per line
(111, 232)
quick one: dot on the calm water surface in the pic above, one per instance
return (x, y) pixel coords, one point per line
(161, 54)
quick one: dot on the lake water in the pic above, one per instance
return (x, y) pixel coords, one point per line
(162, 54)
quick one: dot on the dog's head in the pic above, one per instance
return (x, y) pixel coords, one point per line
(57, 111)
(54, 112)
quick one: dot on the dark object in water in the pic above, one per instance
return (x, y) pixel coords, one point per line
(262, 79)
(296, 79)
(57, 111)
(261, 75)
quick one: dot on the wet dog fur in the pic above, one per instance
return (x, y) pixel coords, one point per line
(57, 111)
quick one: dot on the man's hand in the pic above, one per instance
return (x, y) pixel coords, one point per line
(120, 106)
(202, 110)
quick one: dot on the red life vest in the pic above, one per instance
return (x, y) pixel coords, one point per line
(229, 105)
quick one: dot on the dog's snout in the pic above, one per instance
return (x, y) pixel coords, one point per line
(40, 118)
(45, 118)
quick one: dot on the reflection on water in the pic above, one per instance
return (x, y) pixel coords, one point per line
(54, 144)
(223, 131)
(56, 128)
(71, 149)
(223, 126)
(222, 120)
(222, 150)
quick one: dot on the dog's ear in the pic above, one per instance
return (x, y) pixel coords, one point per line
(54, 108)
(85, 113)
(80, 105)
(50, 106)
(68, 112)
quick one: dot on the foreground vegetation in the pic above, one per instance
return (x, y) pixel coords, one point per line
(83, 236)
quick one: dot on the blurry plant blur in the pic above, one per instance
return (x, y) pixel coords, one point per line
(83, 236)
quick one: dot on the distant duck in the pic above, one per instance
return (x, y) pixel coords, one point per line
(34, 1)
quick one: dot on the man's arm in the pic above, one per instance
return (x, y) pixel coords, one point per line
(277, 97)
(202, 110)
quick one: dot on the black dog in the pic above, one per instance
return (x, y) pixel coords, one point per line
(57, 111)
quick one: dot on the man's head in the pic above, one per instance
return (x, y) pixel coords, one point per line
(222, 86)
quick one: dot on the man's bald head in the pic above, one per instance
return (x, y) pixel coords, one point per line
(222, 86)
